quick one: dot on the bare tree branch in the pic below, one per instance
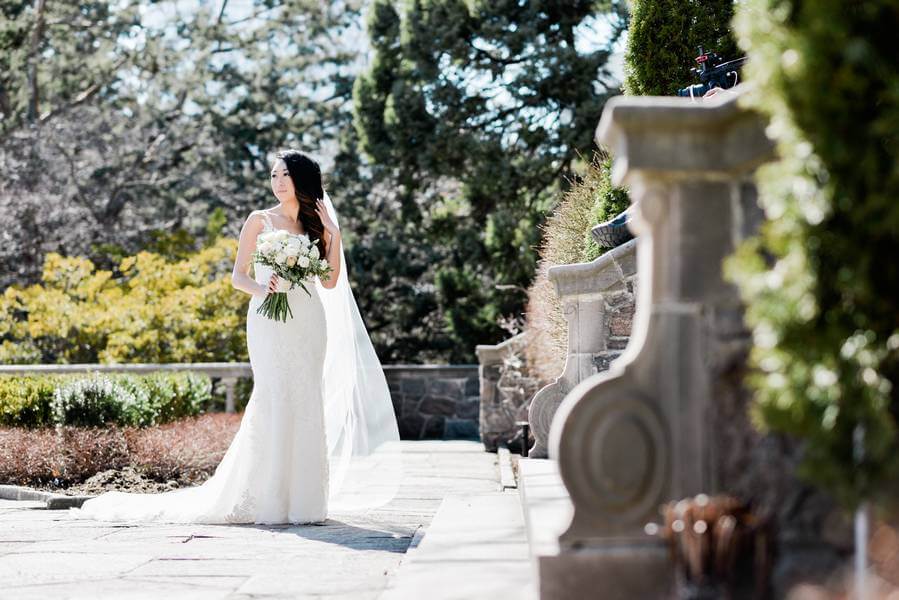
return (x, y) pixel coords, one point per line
(86, 94)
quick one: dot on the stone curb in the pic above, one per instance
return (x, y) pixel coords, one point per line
(53, 501)
(506, 475)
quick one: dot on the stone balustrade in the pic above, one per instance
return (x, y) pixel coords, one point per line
(640, 434)
(598, 303)
(499, 410)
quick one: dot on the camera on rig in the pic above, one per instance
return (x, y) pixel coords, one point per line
(713, 72)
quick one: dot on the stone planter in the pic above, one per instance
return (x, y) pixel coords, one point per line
(615, 231)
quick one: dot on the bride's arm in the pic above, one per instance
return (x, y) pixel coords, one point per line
(332, 255)
(332, 245)
(240, 274)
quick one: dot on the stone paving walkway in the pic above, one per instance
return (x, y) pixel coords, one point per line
(44, 555)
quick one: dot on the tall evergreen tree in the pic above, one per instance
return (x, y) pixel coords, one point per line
(663, 37)
(476, 112)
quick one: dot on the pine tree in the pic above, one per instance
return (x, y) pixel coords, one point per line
(476, 112)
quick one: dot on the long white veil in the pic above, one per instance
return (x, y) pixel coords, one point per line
(364, 453)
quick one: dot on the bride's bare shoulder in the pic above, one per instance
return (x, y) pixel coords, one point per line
(255, 220)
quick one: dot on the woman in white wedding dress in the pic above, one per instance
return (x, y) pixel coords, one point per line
(320, 411)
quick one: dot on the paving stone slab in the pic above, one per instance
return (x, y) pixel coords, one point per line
(357, 556)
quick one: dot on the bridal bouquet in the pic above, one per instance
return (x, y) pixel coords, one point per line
(293, 258)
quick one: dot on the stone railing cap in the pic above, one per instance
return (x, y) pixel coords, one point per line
(597, 275)
(669, 135)
(489, 353)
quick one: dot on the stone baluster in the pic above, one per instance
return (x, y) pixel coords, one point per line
(637, 435)
(597, 301)
(230, 384)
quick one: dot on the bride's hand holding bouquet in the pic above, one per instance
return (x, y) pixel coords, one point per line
(295, 259)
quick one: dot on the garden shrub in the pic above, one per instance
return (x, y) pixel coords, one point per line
(177, 395)
(187, 450)
(90, 401)
(151, 310)
(26, 401)
(821, 280)
(120, 398)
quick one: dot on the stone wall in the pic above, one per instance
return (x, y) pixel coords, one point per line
(435, 401)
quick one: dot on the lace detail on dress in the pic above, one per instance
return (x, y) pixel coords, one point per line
(244, 510)
(266, 220)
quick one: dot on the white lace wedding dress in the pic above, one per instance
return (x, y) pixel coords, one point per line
(276, 468)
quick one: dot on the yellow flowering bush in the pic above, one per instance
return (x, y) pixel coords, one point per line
(152, 310)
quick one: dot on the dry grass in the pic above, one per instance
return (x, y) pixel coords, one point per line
(187, 449)
(566, 240)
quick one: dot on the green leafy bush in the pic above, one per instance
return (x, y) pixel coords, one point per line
(152, 309)
(94, 400)
(177, 395)
(90, 401)
(821, 280)
(26, 401)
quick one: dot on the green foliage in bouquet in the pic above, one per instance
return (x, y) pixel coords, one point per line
(822, 280)
(149, 310)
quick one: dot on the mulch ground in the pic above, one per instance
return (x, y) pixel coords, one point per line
(91, 460)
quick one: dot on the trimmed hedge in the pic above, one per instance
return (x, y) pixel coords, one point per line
(99, 399)
(663, 39)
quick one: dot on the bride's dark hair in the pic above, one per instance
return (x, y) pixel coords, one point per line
(307, 181)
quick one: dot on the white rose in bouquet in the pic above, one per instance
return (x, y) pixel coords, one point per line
(295, 260)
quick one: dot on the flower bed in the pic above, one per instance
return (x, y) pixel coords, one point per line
(183, 452)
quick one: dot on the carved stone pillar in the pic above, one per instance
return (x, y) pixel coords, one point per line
(637, 435)
(597, 300)
(498, 411)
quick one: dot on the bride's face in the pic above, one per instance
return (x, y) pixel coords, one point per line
(282, 184)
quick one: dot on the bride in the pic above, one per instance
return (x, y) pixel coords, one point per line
(317, 431)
